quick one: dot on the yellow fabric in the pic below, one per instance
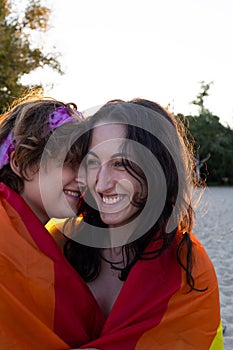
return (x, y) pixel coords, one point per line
(218, 340)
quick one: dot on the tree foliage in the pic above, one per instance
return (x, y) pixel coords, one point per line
(17, 54)
(213, 142)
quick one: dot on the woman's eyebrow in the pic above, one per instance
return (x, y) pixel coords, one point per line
(92, 154)
(117, 155)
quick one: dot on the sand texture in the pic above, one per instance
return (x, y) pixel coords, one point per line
(214, 228)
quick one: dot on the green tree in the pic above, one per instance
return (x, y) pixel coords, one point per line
(17, 54)
(213, 142)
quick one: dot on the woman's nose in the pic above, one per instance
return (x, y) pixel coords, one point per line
(104, 179)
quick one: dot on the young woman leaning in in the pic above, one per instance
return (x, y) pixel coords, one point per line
(43, 301)
(150, 276)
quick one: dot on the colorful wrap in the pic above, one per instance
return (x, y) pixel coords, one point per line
(157, 311)
(45, 305)
(43, 302)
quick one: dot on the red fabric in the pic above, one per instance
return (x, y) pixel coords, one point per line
(147, 289)
(155, 309)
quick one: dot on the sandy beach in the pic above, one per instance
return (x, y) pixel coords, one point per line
(214, 228)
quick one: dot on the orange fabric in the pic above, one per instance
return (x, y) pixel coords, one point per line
(24, 284)
(156, 311)
(44, 304)
(190, 321)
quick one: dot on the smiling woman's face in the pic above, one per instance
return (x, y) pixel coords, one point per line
(112, 187)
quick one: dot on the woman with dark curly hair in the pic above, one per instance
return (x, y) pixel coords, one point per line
(134, 248)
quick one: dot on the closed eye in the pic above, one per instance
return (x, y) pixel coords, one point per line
(92, 163)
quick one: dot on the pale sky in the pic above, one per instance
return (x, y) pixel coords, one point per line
(155, 49)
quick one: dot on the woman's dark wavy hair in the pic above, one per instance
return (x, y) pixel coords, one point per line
(164, 136)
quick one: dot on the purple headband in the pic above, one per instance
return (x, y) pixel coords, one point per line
(57, 118)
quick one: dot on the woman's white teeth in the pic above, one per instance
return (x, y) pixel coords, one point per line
(72, 193)
(112, 200)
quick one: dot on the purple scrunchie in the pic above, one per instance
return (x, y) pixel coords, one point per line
(61, 116)
(6, 148)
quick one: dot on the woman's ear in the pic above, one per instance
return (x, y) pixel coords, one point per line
(14, 165)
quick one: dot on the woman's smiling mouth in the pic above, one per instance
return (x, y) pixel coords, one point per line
(112, 199)
(75, 194)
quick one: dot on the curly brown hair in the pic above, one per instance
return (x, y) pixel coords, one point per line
(28, 119)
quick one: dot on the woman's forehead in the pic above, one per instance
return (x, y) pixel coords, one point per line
(107, 132)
